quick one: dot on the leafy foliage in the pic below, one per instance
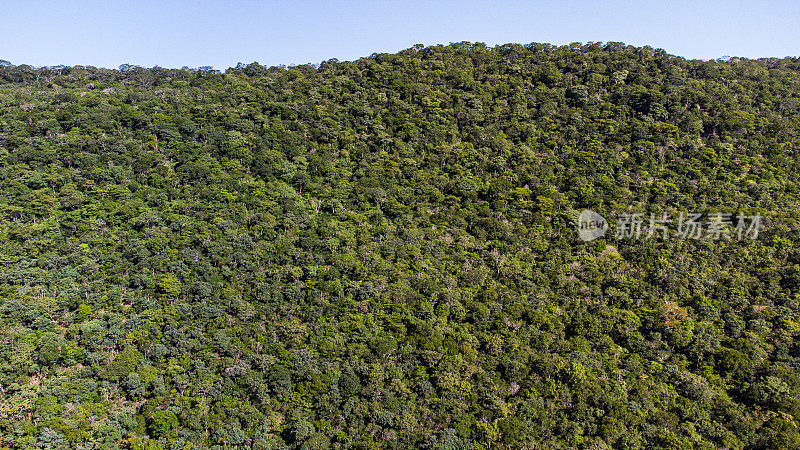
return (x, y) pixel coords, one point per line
(382, 253)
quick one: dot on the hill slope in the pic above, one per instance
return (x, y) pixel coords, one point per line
(383, 253)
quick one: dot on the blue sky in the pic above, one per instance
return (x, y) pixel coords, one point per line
(221, 33)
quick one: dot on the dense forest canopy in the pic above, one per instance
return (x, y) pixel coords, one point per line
(383, 253)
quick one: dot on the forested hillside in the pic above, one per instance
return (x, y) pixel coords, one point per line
(383, 253)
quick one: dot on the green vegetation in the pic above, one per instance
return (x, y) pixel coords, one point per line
(383, 253)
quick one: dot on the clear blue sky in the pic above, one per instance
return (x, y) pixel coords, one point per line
(221, 33)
